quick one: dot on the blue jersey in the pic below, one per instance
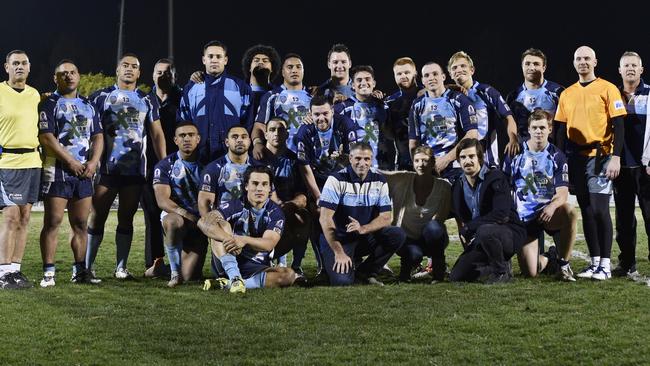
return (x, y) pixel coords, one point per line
(524, 101)
(370, 118)
(441, 122)
(315, 146)
(73, 121)
(224, 178)
(329, 90)
(636, 106)
(126, 117)
(184, 179)
(534, 177)
(349, 196)
(489, 106)
(287, 180)
(290, 105)
(249, 221)
(214, 106)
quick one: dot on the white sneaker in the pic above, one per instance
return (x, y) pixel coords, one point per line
(588, 272)
(92, 277)
(123, 274)
(601, 274)
(48, 279)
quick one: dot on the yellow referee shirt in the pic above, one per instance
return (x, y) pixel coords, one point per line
(19, 126)
(587, 112)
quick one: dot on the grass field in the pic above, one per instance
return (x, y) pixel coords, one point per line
(538, 321)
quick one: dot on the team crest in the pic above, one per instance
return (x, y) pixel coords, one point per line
(112, 99)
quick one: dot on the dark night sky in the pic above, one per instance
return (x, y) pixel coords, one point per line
(86, 31)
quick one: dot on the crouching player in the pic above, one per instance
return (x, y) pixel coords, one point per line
(540, 181)
(177, 181)
(243, 233)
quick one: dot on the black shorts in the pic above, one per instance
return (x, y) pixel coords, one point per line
(583, 177)
(119, 181)
(534, 228)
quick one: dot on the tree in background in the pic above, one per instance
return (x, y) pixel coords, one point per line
(91, 82)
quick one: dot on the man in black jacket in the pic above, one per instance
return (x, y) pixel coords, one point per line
(491, 231)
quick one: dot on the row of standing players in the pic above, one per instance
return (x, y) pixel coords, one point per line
(435, 115)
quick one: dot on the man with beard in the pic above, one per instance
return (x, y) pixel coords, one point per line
(71, 135)
(222, 178)
(440, 118)
(216, 105)
(339, 86)
(323, 147)
(535, 93)
(493, 114)
(490, 231)
(369, 114)
(20, 166)
(590, 117)
(290, 101)
(128, 116)
(168, 95)
(633, 181)
(399, 105)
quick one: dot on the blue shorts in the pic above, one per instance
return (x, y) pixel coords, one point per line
(19, 187)
(71, 188)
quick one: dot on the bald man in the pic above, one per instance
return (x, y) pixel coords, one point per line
(590, 116)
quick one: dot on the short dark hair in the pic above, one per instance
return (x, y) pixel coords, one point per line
(127, 54)
(467, 144)
(291, 55)
(168, 61)
(215, 43)
(339, 47)
(14, 52)
(233, 127)
(362, 68)
(64, 61)
(360, 145)
(319, 100)
(534, 52)
(540, 114)
(185, 124)
(260, 49)
(257, 169)
(279, 119)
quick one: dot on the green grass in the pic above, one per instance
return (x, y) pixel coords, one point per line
(538, 321)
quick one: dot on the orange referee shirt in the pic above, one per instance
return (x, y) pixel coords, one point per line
(587, 112)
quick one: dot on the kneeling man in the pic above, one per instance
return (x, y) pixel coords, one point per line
(177, 181)
(355, 215)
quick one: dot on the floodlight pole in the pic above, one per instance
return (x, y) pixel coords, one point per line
(120, 36)
(170, 29)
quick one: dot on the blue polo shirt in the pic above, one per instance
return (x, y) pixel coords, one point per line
(635, 121)
(348, 195)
